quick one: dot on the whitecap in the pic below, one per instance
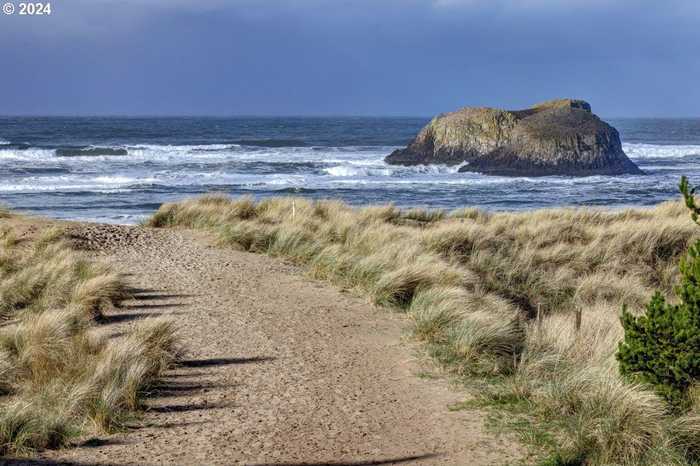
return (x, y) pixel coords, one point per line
(660, 151)
(347, 171)
(120, 180)
(26, 154)
(381, 169)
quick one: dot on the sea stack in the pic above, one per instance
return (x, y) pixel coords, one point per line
(559, 137)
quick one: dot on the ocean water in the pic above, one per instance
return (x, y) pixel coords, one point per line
(53, 166)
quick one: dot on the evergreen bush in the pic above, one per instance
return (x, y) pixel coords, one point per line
(662, 346)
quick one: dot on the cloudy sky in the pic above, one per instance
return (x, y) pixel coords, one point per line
(350, 57)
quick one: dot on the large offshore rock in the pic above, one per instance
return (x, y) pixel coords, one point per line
(560, 137)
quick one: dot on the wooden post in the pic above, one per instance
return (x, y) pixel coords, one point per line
(577, 324)
(294, 209)
(539, 318)
(515, 356)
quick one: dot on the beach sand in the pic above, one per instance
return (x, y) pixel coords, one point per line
(279, 369)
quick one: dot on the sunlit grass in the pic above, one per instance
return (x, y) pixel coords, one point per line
(58, 377)
(495, 296)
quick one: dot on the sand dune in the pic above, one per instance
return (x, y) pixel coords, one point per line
(279, 369)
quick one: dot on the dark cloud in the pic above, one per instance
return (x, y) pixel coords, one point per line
(410, 57)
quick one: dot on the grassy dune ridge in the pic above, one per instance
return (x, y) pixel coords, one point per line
(59, 376)
(474, 283)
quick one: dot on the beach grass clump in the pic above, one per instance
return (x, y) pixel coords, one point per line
(421, 215)
(60, 377)
(528, 303)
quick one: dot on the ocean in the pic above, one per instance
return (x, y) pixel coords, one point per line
(59, 167)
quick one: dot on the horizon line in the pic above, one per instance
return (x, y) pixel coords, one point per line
(309, 115)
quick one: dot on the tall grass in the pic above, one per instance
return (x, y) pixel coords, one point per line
(58, 377)
(495, 295)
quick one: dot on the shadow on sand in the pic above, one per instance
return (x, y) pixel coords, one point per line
(186, 408)
(212, 362)
(377, 462)
(146, 294)
(151, 306)
(42, 462)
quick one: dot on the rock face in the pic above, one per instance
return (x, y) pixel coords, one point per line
(560, 137)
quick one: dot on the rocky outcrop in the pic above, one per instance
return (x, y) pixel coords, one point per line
(560, 137)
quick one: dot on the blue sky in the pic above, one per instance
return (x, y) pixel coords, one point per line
(350, 57)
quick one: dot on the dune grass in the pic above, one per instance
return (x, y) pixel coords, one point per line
(59, 376)
(495, 297)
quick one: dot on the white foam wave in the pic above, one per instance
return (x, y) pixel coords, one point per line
(374, 169)
(361, 155)
(129, 182)
(369, 162)
(33, 155)
(73, 183)
(180, 149)
(129, 178)
(121, 180)
(659, 151)
(348, 171)
(206, 154)
(208, 166)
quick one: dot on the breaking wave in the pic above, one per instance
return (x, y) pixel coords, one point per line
(660, 151)
(382, 169)
(121, 170)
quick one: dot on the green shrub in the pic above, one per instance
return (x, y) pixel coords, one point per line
(662, 346)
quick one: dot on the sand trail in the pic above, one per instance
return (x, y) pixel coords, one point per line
(279, 369)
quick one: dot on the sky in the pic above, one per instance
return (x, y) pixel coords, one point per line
(349, 57)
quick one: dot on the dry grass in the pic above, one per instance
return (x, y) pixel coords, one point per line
(58, 377)
(474, 283)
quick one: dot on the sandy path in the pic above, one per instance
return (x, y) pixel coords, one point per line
(279, 369)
